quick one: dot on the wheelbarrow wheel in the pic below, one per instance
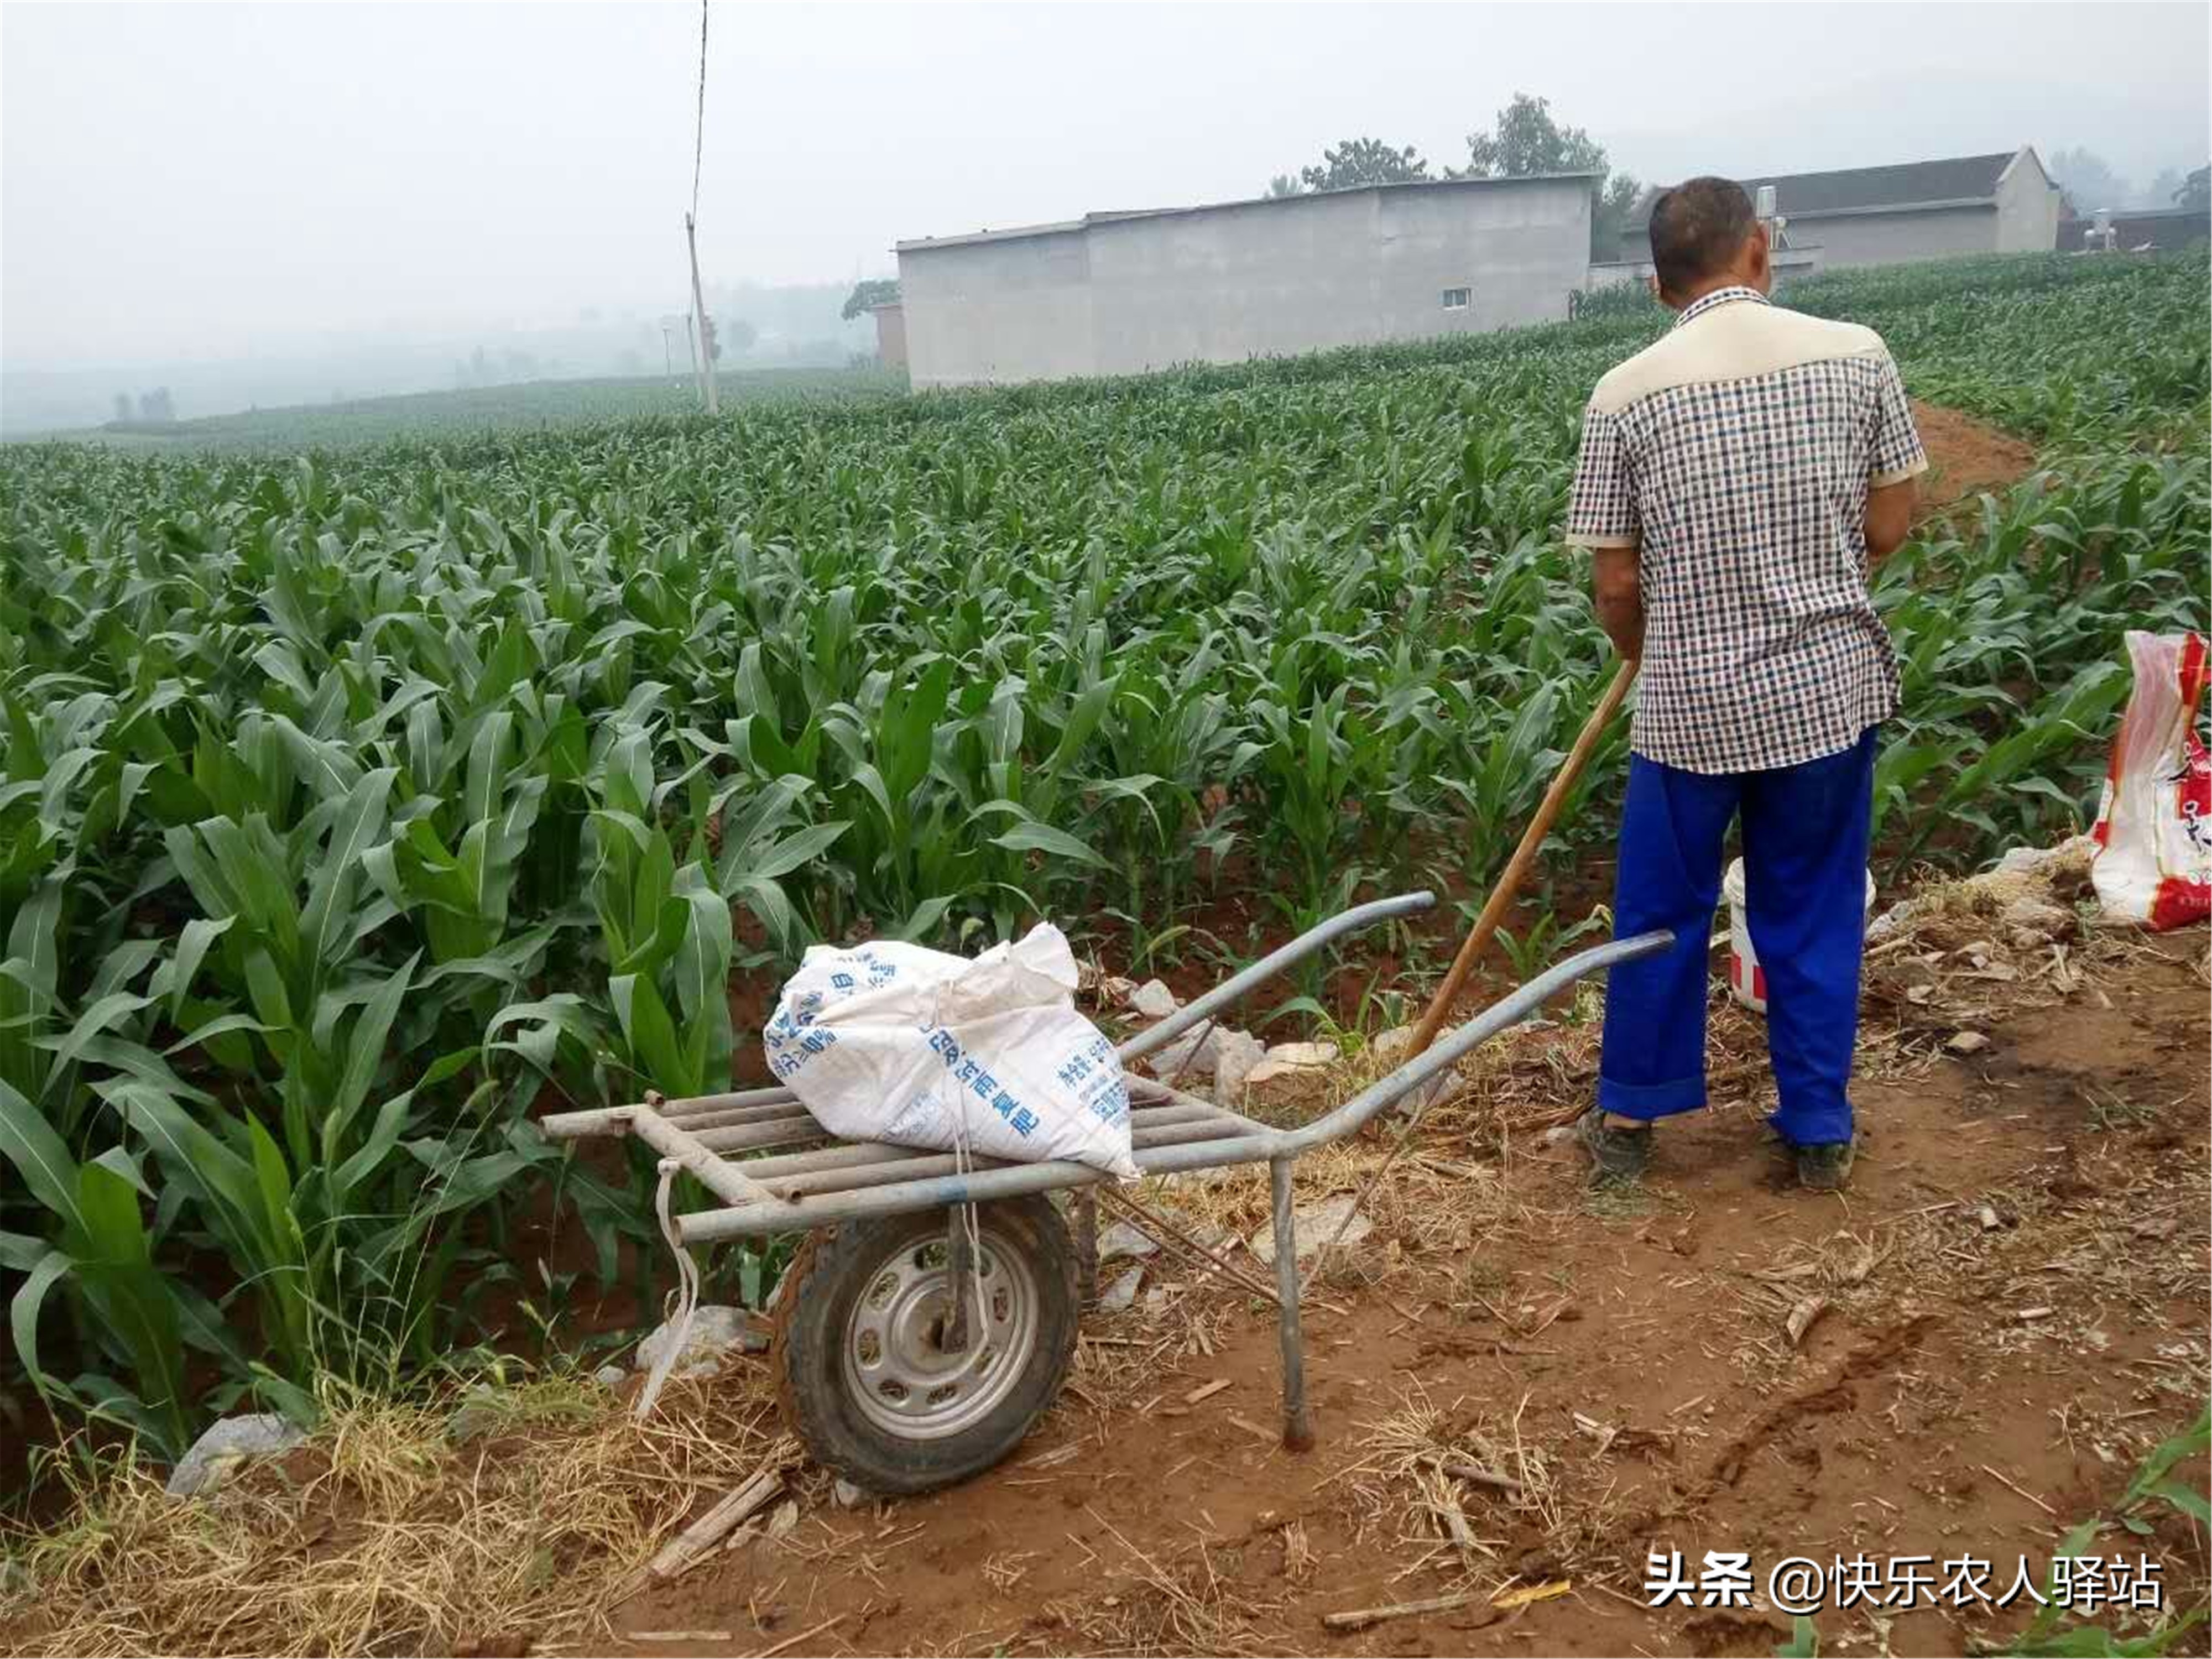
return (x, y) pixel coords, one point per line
(860, 1355)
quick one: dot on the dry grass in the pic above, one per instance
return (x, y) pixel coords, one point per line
(1192, 1601)
(1416, 1488)
(382, 1536)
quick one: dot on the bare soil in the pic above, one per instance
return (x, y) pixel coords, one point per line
(1966, 1389)
(1965, 456)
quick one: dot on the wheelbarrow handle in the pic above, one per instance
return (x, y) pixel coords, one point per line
(1448, 1051)
(1227, 993)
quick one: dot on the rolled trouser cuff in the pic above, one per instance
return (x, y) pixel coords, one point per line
(1825, 1125)
(1646, 1100)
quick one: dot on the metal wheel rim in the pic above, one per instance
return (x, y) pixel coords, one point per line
(896, 1368)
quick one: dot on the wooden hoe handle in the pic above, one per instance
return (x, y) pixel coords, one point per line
(1524, 856)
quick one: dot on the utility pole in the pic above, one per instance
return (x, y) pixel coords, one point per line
(706, 357)
(667, 352)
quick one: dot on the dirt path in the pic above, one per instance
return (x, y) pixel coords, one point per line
(1967, 1389)
(1965, 456)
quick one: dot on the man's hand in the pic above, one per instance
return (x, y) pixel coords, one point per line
(1889, 517)
(1619, 599)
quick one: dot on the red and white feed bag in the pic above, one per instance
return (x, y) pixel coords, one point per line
(2154, 833)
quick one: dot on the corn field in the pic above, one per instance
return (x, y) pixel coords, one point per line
(530, 406)
(356, 801)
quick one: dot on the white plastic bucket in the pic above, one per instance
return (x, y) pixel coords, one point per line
(1746, 979)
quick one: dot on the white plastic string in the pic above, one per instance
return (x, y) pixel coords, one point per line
(682, 1302)
(964, 1163)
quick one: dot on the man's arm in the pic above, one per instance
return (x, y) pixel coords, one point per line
(1889, 517)
(1894, 460)
(1619, 598)
(1601, 516)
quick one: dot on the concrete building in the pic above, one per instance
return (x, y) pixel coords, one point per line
(2137, 229)
(1790, 263)
(1124, 293)
(2000, 203)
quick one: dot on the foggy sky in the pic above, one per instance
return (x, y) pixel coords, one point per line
(199, 181)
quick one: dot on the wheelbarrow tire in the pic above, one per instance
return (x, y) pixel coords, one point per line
(813, 1342)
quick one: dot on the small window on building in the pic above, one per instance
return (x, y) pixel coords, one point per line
(1456, 299)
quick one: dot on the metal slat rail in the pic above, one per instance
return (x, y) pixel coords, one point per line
(775, 1170)
(773, 1123)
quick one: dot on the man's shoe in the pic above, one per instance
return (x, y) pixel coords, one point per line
(1825, 1167)
(1617, 1154)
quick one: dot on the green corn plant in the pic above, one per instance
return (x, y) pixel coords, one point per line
(2054, 1629)
(93, 1243)
(2013, 772)
(511, 700)
(1319, 770)
(885, 743)
(666, 934)
(101, 1255)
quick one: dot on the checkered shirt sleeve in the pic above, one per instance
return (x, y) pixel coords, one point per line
(1602, 511)
(1894, 451)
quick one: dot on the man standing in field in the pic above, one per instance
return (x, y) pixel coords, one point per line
(1737, 479)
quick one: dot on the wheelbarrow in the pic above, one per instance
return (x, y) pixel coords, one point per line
(930, 1317)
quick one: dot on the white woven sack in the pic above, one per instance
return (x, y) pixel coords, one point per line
(985, 1055)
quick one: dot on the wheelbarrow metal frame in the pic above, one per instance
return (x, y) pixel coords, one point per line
(824, 1182)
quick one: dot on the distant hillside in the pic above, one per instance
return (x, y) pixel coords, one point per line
(485, 409)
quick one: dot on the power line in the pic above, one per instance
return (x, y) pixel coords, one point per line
(699, 135)
(701, 330)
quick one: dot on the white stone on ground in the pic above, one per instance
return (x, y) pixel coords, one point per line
(217, 1454)
(1315, 1224)
(1241, 1052)
(1293, 1074)
(716, 1332)
(1121, 1294)
(1392, 1047)
(1123, 1239)
(1153, 999)
(1192, 1056)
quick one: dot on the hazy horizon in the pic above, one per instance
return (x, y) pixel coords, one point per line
(228, 183)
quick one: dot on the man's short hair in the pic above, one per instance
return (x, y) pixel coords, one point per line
(1697, 229)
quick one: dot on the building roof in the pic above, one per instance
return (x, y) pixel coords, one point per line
(1063, 227)
(1955, 181)
(2160, 228)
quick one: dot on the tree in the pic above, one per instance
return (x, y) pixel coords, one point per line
(2087, 180)
(741, 335)
(1357, 163)
(155, 407)
(875, 291)
(122, 406)
(1613, 213)
(1526, 141)
(2195, 192)
(2164, 191)
(1284, 183)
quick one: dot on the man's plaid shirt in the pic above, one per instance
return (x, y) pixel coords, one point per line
(1736, 455)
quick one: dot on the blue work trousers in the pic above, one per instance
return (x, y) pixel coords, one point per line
(1805, 829)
